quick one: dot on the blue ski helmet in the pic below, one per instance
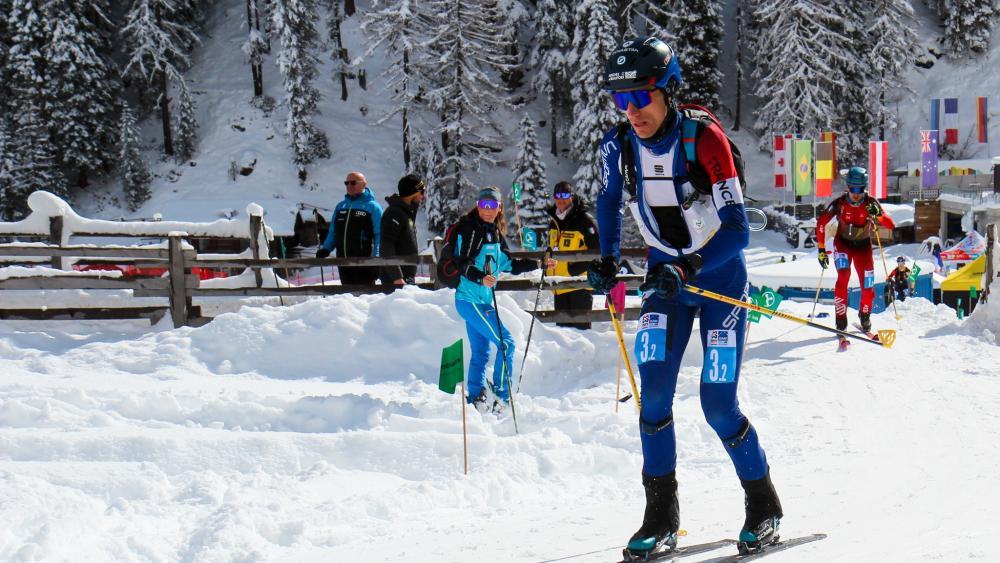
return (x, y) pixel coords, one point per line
(641, 62)
(857, 177)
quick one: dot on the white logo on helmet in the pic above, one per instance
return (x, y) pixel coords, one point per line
(621, 60)
(627, 43)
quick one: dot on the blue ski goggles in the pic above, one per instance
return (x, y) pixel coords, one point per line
(856, 189)
(562, 195)
(488, 204)
(638, 98)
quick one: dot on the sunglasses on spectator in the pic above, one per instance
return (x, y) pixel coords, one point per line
(351, 182)
(638, 98)
(488, 204)
(562, 195)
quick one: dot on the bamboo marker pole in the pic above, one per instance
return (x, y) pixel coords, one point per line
(465, 435)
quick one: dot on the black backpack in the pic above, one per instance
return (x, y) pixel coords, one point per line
(448, 272)
(694, 119)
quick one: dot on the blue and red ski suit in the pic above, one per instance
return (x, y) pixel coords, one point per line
(677, 221)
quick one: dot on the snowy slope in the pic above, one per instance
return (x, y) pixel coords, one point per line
(316, 432)
(220, 79)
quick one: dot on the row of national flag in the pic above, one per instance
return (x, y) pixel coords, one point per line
(796, 166)
(950, 121)
(806, 166)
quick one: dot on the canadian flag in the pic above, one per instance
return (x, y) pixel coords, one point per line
(780, 163)
(878, 164)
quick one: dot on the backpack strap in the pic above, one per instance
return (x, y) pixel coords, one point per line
(628, 159)
(689, 134)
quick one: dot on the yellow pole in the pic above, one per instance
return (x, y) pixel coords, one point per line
(624, 352)
(878, 239)
(886, 337)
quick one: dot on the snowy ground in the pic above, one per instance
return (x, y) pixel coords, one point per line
(317, 433)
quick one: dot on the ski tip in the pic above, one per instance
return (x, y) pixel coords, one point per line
(625, 398)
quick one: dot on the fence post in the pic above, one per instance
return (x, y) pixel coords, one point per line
(438, 243)
(256, 223)
(178, 289)
(55, 237)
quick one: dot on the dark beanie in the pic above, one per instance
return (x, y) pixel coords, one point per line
(409, 185)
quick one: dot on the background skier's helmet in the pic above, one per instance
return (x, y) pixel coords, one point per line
(641, 62)
(857, 177)
(901, 260)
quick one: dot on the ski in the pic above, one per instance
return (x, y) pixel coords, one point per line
(766, 550)
(682, 551)
(868, 333)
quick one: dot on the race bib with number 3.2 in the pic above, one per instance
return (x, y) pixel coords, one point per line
(720, 357)
(651, 339)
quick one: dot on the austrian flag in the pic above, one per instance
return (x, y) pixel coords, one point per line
(878, 164)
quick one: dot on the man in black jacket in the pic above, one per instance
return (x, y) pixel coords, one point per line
(571, 228)
(399, 232)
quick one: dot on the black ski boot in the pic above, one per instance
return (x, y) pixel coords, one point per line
(763, 515)
(660, 521)
(866, 321)
(479, 402)
(841, 322)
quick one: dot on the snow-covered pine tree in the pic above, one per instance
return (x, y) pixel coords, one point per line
(549, 58)
(697, 27)
(967, 26)
(5, 39)
(529, 171)
(157, 42)
(295, 25)
(798, 81)
(465, 96)
(511, 19)
(32, 96)
(594, 113)
(395, 27)
(35, 167)
(854, 120)
(187, 123)
(6, 165)
(85, 85)
(890, 28)
(255, 46)
(135, 175)
(339, 55)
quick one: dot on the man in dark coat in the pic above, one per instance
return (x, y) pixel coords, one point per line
(571, 228)
(399, 231)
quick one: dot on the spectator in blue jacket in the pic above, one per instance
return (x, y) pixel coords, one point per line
(480, 255)
(355, 230)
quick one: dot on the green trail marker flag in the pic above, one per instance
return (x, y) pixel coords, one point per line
(767, 298)
(452, 367)
(529, 238)
(914, 273)
(517, 192)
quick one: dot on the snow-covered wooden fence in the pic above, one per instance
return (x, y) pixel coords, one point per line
(52, 288)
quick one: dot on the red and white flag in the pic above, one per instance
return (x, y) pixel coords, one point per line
(780, 162)
(878, 169)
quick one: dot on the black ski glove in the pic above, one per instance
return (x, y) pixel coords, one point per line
(322, 253)
(824, 259)
(602, 275)
(666, 280)
(874, 209)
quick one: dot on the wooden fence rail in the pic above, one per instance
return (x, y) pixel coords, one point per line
(53, 222)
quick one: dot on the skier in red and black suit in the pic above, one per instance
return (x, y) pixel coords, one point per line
(856, 213)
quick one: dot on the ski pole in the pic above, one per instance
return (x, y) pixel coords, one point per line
(886, 337)
(503, 346)
(878, 240)
(531, 327)
(819, 287)
(624, 352)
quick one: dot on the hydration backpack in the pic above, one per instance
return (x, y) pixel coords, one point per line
(694, 119)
